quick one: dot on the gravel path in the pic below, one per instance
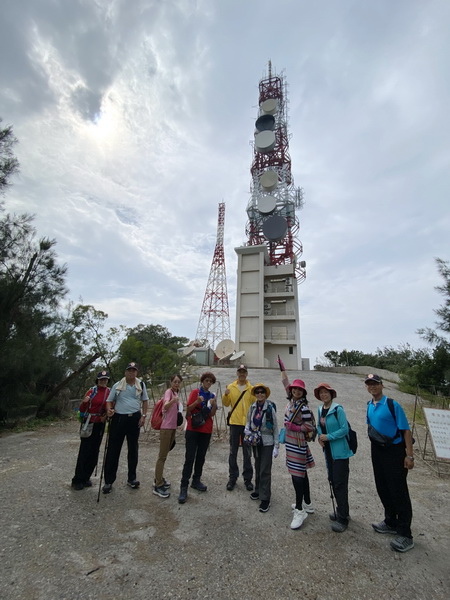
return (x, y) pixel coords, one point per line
(60, 544)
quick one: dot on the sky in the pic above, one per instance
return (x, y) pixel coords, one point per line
(135, 118)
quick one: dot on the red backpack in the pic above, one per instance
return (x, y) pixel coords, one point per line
(157, 415)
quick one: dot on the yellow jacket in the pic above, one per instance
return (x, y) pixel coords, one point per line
(239, 415)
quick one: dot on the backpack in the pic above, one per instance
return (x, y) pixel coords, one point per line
(351, 437)
(157, 416)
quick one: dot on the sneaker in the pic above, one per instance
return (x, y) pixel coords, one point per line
(88, 483)
(198, 485)
(254, 495)
(165, 484)
(133, 484)
(339, 526)
(249, 486)
(308, 507)
(383, 528)
(78, 486)
(298, 518)
(264, 506)
(231, 485)
(161, 491)
(402, 544)
(107, 488)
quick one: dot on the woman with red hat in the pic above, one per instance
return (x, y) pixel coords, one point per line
(300, 428)
(332, 428)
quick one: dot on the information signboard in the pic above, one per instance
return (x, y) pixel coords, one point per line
(438, 422)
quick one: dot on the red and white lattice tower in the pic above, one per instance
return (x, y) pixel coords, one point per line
(214, 322)
(271, 211)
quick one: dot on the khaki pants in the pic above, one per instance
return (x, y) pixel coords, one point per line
(166, 438)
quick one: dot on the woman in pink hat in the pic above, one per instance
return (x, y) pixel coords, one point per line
(300, 428)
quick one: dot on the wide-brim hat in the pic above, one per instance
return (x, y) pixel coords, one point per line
(325, 386)
(260, 385)
(298, 383)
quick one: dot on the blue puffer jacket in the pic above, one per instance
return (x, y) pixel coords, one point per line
(337, 430)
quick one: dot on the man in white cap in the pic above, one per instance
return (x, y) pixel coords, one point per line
(127, 408)
(238, 395)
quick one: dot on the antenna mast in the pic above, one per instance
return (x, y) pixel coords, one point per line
(214, 321)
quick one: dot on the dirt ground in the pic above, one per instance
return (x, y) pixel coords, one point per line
(56, 543)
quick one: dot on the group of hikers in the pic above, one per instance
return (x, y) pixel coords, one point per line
(254, 427)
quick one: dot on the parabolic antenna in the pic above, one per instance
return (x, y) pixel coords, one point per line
(269, 180)
(275, 228)
(265, 122)
(237, 355)
(224, 349)
(269, 106)
(265, 141)
(266, 204)
(188, 350)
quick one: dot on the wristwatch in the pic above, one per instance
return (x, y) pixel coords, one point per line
(144, 416)
(410, 457)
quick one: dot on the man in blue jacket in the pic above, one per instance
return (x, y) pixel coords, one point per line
(392, 458)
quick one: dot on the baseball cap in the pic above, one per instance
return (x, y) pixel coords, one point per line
(132, 365)
(242, 368)
(371, 378)
(103, 375)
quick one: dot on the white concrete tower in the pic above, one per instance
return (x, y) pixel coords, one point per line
(269, 269)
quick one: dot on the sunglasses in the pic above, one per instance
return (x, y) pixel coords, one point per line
(260, 391)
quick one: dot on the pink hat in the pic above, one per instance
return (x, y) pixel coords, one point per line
(297, 383)
(325, 386)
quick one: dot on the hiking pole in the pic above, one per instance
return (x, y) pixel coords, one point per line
(104, 459)
(332, 499)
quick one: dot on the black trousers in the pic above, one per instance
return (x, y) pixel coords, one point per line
(236, 435)
(338, 473)
(121, 427)
(197, 444)
(88, 454)
(392, 487)
(302, 490)
(263, 471)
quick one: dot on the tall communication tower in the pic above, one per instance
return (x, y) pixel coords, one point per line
(214, 322)
(269, 269)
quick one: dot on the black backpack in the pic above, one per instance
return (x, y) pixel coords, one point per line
(352, 438)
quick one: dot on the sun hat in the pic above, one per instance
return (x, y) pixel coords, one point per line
(326, 386)
(260, 385)
(299, 383)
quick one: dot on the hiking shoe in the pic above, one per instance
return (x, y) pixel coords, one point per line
(133, 484)
(107, 488)
(254, 495)
(198, 485)
(161, 491)
(249, 486)
(264, 506)
(402, 544)
(333, 517)
(383, 528)
(308, 507)
(88, 483)
(339, 526)
(78, 486)
(298, 518)
(231, 485)
(165, 484)
(183, 494)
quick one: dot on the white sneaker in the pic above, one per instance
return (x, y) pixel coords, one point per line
(298, 518)
(308, 507)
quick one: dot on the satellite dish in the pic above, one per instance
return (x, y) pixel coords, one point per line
(224, 349)
(269, 106)
(188, 350)
(265, 122)
(237, 355)
(275, 228)
(265, 141)
(269, 180)
(266, 204)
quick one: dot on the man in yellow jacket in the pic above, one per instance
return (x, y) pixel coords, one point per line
(238, 396)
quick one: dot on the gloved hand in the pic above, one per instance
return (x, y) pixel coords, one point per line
(292, 426)
(275, 452)
(281, 364)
